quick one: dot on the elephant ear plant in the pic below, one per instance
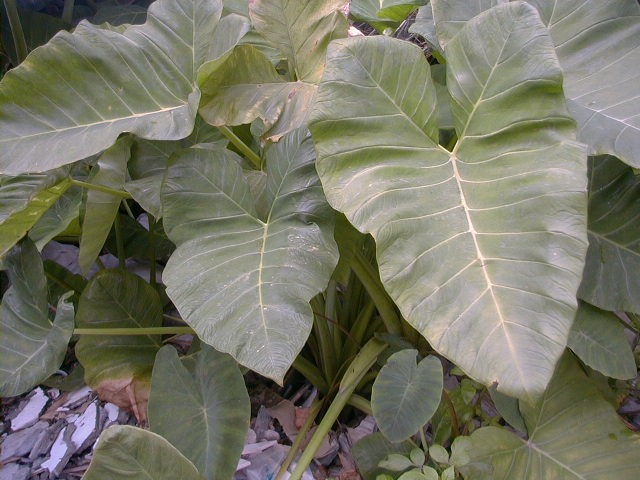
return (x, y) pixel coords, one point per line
(260, 144)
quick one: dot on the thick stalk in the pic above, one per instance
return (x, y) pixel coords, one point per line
(120, 242)
(330, 312)
(152, 251)
(361, 404)
(300, 438)
(16, 30)
(371, 281)
(358, 368)
(358, 331)
(240, 145)
(311, 373)
(455, 427)
(134, 331)
(67, 11)
(100, 188)
(324, 339)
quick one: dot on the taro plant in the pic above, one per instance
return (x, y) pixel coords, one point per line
(259, 144)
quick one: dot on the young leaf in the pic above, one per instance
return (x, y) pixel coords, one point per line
(243, 282)
(368, 451)
(300, 30)
(609, 280)
(395, 462)
(124, 452)
(573, 434)
(508, 408)
(118, 367)
(247, 86)
(598, 338)
(58, 218)
(439, 454)
(211, 424)
(405, 395)
(72, 98)
(32, 348)
(23, 201)
(102, 208)
(483, 246)
(398, 10)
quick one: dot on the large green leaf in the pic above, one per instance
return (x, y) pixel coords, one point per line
(149, 161)
(32, 348)
(211, 424)
(101, 208)
(482, 247)
(242, 281)
(599, 339)
(72, 98)
(24, 199)
(300, 30)
(247, 86)
(119, 366)
(610, 278)
(598, 45)
(405, 395)
(573, 434)
(124, 453)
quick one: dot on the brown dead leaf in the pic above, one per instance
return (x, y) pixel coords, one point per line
(131, 394)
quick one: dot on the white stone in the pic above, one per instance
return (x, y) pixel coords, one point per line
(59, 453)
(31, 411)
(75, 396)
(86, 425)
(112, 411)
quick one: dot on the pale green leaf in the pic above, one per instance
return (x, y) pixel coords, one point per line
(247, 86)
(452, 15)
(243, 282)
(368, 451)
(508, 408)
(482, 247)
(599, 339)
(119, 14)
(610, 279)
(598, 45)
(72, 98)
(125, 453)
(439, 454)
(429, 474)
(395, 462)
(367, 11)
(573, 434)
(211, 424)
(398, 10)
(31, 347)
(405, 395)
(101, 208)
(23, 201)
(58, 218)
(300, 30)
(114, 363)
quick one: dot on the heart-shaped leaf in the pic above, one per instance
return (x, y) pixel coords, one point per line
(211, 424)
(599, 339)
(124, 452)
(481, 247)
(32, 348)
(405, 395)
(610, 279)
(141, 81)
(300, 30)
(573, 434)
(119, 367)
(243, 281)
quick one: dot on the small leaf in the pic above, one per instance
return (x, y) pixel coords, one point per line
(23, 201)
(405, 395)
(368, 451)
(119, 367)
(418, 475)
(417, 457)
(395, 462)
(32, 347)
(448, 474)
(125, 453)
(573, 434)
(210, 425)
(439, 453)
(101, 208)
(599, 339)
(508, 409)
(460, 451)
